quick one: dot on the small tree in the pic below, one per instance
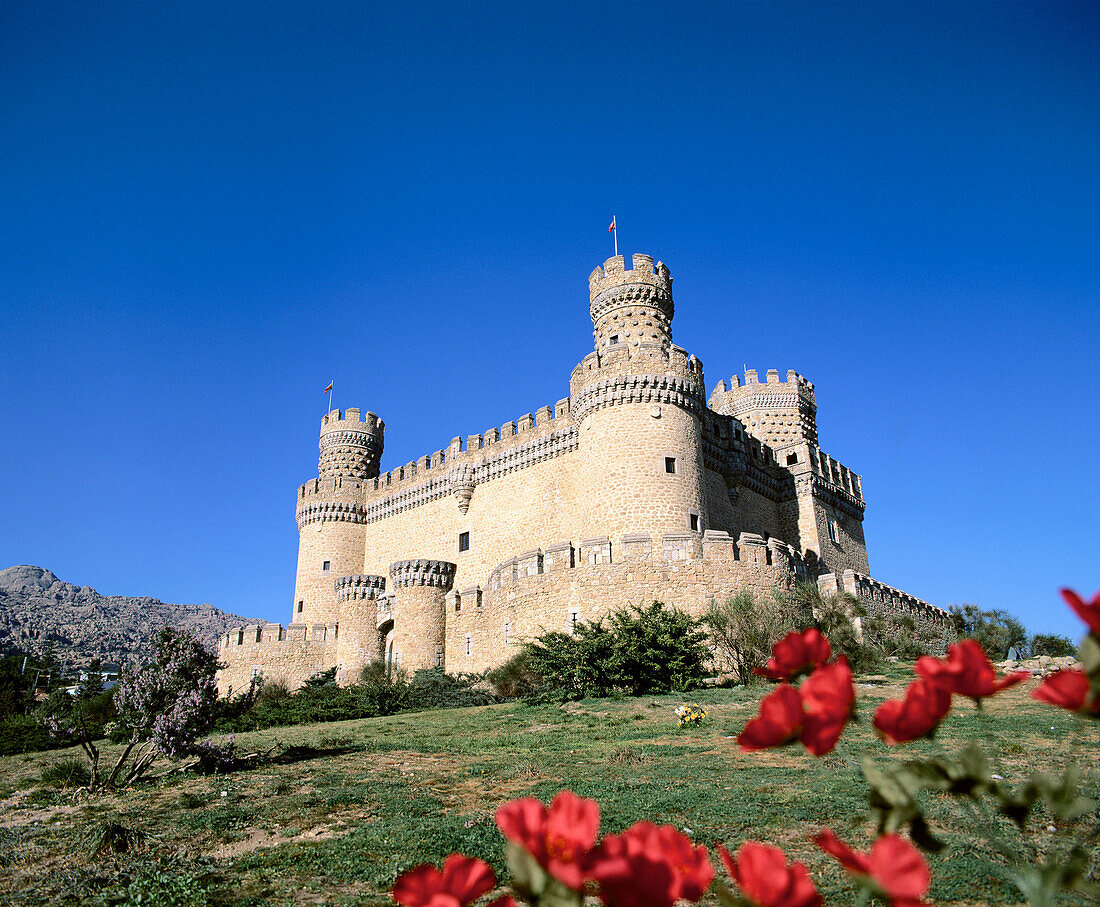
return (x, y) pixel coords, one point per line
(1051, 644)
(742, 631)
(996, 631)
(839, 616)
(164, 707)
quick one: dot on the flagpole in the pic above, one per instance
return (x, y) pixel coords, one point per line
(615, 233)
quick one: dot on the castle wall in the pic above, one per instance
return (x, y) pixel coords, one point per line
(679, 570)
(287, 655)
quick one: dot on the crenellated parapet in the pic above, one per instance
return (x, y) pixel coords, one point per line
(882, 600)
(815, 471)
(330, 499)
(421, 572)
(669, 390)
(351, 444)
(359, 587)
(777, 412)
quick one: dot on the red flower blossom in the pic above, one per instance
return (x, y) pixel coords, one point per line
(650, 866)
(559, 838)
(462, 881)
(917, 715)
(966, 671)
(796, 653)
(1089, 612)
(828, 700)
(762, 874)
(894, 868)
(779, 721)
(1069, 689)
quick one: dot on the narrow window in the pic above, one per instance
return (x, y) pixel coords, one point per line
(300, 604)
(792, 458)
(325, 566)
(833, 534)
(670, 464)
(240, 637)
(693, 522)
(259, 634)
(439, 657)
(458, 604)
(469, 643)
(464, 541)
(507, 632)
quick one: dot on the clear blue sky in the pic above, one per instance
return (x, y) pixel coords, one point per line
(209, 210)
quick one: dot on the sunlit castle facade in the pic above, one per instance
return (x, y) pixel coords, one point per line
(635, 486)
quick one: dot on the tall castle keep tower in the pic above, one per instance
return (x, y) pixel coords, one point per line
(638, 400)
(330, 512)
(633, 488)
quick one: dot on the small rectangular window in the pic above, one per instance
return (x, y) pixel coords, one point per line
(670, 464)
(792, 458)
(300, 604)
(693, 521)
(614, 338)
(464, 541)
(325, 566)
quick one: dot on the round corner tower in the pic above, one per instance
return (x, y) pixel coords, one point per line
(330, 513)
(638, 401)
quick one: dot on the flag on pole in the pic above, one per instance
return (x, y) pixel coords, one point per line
(611, 229)
(327, 389)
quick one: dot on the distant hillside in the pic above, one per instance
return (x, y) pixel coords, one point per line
(37, 609)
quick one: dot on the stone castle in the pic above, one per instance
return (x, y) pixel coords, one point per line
(633, 488)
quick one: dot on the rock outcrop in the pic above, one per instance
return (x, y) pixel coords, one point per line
(39, 611)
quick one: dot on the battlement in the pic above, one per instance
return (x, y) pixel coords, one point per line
(672, 548)
(874, 593)
(359, 586)
(803, 457)
(422, 572)
(353, 419)
(276, 635)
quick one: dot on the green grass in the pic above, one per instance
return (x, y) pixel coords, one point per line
(368, 799)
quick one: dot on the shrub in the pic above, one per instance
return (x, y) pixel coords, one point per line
(431, 688)
(639, 651)
(840, 617)
(516, 678)
(996, 631)
(1051, 644)
(66, 772)
(742, 631)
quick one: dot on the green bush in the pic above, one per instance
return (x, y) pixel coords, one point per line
(742, 631)
(996, 631)
(1051, 644)
(431, 688)
(637, 651)
(26, 734)
(67, 772)
(516, 678)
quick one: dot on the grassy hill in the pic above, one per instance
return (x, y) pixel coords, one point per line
(350, 805)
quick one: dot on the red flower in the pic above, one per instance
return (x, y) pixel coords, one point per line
(560, 837)
(917, 715)
(1089, 612)
(1068, 689)
(762, 874)
(796, 653)
(650, 866)
(779, 721)
(894, 868)
(462, 881)
(828, 700)
(966, 671)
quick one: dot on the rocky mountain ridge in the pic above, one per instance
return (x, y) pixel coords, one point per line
(39, 611)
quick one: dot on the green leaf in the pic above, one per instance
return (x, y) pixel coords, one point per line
(528, 877)
(1089, 656)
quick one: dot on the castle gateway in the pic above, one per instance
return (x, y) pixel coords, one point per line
(633, 488)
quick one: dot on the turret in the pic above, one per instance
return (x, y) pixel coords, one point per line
(330, 512)
(631, 307)
(420, 588)
(350, 444)
(779, 413)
